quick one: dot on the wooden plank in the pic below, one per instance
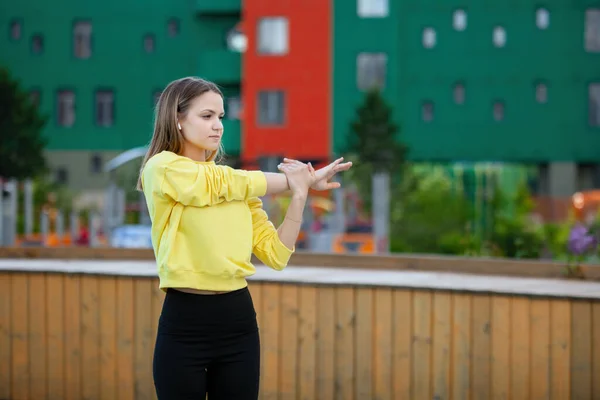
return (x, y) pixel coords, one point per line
(500, 352)
(520, 345)
(55, 308)
(422, 345)
(37, 336)
(73, 343)
(90, 337)
(363, 351)
(288, 360)
(560, 350)
(307, 342)
(402, 344)
(144, 343)
(461, 347)
(596, 348)
(383, 344)
(345, 318)
(540, 349)
(108, 337)
(20, 371)
(158, 297)
(442, 344)
(5, 335)
(481, 342)
(581, 350)
(271, 321)
(326, 323)
(125, 338)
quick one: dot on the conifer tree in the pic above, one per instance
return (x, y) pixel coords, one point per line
(21, 140)
(373, 142)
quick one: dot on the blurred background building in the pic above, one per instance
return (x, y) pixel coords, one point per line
(493, 81)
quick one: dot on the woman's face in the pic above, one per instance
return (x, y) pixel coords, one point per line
(202, 127)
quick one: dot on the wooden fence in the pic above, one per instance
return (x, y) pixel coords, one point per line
(91, 336)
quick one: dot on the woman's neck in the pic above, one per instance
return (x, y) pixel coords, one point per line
(194, 153)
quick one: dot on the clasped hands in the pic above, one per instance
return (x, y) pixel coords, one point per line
(302, 177)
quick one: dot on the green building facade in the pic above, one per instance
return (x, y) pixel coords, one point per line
(96, 69)
(494, 80)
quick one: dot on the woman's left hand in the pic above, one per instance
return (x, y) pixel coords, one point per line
(324, 175)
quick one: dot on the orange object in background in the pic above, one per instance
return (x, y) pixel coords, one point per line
(363, 243)
(585, 202)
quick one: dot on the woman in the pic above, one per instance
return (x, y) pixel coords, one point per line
(207, 220)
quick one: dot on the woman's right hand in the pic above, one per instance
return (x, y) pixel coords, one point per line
(300, 177)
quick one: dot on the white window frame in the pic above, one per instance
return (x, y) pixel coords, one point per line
(234, 107)
(371, 70)
(104, 101)
(372, 8)
(594, 104)
(427, 111)
(82, 39)
(592, 30)
(429, 38)
(460, 19)
(542, 18)
(459, 92)
(271, 108)
(66, 108)
(499, 36)
(273, 36)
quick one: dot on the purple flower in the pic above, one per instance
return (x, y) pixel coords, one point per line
(580, 240)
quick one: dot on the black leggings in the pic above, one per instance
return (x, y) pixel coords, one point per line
(207, 344)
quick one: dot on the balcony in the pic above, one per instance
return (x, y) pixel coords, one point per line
(220, 66)
(232, 136)
(218, 7)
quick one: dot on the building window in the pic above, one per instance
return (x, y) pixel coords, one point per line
(37, 44)
(542, 18)
(96, 163)
(371, 70)
(16, 29)
(273, 35)
(234, 107)
(105, 108)
(499, 36)
(62, 176)
(459, 20)
(427, 111)
(173, 27)
(82, 39)
(498, 110)
(592, 30)
(594, 104)
(458, 92)
(34, 97)
(271, 107)
(372, 8)
(66, 108)
(429, 38)
(541, 92)
(149, 43)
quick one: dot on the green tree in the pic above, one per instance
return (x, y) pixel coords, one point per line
(430, 217)
(373, 143)
(21, 124)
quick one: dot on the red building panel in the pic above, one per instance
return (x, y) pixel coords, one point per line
(304, 74)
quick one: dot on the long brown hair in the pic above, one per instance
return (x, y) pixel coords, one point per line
(173, 104)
